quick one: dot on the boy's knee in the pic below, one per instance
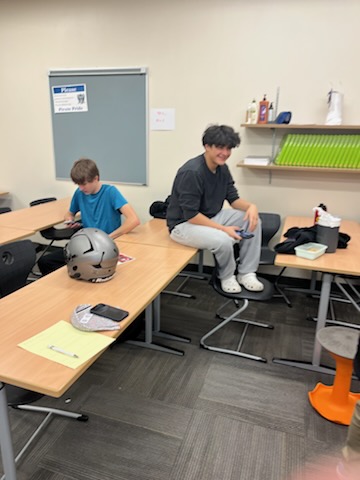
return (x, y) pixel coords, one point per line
(224, 242)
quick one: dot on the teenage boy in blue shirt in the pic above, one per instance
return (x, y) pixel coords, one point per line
(100, 205)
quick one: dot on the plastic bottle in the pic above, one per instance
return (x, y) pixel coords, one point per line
(253, 112)
(263, 110)
(248, 114)
(271, 113)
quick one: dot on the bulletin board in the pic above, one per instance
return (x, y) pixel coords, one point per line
(101, 114)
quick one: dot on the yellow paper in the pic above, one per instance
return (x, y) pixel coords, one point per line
(66, 337)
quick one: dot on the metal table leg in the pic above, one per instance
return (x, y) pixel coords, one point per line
(7, 452)
(148, 342)
(321, 321)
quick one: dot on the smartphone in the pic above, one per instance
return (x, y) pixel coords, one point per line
(107, 311)
(244, 234)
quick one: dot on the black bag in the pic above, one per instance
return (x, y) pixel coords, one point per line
(158, 209)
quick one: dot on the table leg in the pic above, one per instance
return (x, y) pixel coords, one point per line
(148, 342)
(157, 332)
(315, 366)
(322, 314)
(7, 452)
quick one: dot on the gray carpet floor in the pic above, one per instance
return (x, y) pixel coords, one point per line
(201, 416)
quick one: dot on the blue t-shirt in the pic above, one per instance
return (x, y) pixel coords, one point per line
(99, 210)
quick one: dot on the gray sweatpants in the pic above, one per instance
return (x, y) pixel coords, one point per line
(221, 244)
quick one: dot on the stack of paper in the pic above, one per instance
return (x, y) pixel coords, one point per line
(256, 160)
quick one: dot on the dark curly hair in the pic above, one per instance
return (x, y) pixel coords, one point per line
(221, 136)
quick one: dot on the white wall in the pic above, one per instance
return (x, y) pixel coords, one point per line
(207, 59)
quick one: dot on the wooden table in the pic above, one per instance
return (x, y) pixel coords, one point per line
(153, 232)
(38, 217)
(156, 232)
(11, 234)
(343, 261)
(43, 303)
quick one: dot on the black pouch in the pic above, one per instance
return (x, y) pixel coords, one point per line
(158, 209)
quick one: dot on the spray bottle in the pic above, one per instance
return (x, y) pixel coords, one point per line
(271, 113)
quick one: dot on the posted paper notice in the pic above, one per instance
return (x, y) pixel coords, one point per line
(70, 98)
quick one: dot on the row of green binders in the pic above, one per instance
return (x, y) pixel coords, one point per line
(316, 150)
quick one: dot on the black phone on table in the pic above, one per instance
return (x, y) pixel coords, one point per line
(107, 311)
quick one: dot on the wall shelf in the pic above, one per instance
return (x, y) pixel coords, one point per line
(278, 168)
(274, 127)
(290, 126)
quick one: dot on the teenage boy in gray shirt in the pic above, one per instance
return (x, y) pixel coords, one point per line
(195, 215)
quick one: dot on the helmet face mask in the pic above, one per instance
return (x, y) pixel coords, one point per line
(91, 255)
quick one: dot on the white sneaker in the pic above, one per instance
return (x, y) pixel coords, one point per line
(230, 285)
(250, 282)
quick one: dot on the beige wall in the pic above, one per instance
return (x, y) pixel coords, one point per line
(207, 59)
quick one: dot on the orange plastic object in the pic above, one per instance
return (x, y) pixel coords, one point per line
(335, 402)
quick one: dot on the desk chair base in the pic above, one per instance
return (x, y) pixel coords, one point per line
(234, 318)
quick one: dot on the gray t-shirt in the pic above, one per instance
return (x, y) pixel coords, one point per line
(198, 190)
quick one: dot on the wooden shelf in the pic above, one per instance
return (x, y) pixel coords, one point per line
(310, 126)
(341, 129)
(273, 168)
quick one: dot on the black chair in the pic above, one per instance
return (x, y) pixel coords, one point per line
(53, 234)
(5, 210)
(270, 224)
(241, 302)
(16, 261)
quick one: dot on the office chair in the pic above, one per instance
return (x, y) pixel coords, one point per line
(270, 224)
(53, 234)
(241, 302)
(16, 261)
